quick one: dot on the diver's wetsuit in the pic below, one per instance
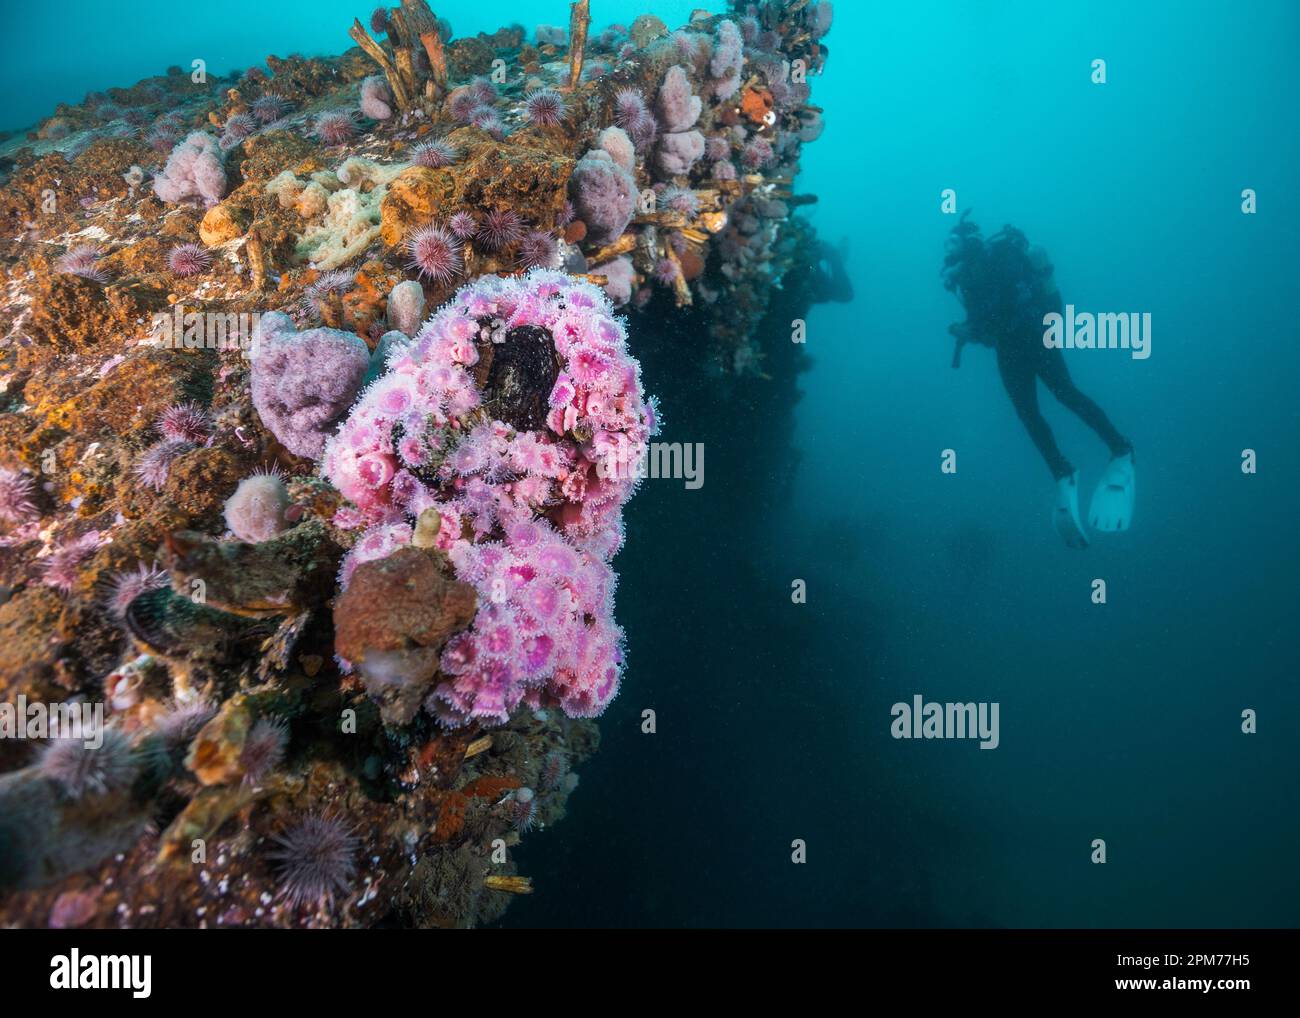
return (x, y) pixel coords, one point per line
(1022, 359)
(1006, 295)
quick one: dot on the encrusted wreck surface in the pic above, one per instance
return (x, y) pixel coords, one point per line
(210, 286)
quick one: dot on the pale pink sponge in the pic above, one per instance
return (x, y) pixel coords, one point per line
(194, 170)
(376, 98)
(516, 413)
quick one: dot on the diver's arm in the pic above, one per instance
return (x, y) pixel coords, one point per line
(961, 331)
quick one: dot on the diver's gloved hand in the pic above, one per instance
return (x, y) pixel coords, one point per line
(1065, 514)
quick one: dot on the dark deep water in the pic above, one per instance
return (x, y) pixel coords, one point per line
(1118, 721)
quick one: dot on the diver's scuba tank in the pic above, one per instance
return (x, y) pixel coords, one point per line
(1040, 260)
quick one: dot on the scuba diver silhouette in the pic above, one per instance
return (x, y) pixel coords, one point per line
(830, 283)
(1007, 288)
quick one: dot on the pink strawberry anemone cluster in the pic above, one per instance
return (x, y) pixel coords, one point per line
(515, 413)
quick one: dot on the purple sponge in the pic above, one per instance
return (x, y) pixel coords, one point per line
(303, 384)
(678, 108)
(728, 59)
(678, 152)
(604, 195)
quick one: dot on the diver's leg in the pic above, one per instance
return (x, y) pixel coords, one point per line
(1021, 382)
(1056, 376)
(1112, 501)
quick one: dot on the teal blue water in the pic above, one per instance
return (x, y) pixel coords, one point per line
(1120, 722)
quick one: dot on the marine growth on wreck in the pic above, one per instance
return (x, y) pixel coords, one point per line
(320, 406)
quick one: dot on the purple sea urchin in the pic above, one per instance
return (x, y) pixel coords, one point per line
(263, 749)
(463, 225)
(757, 153)
(335, 127)
(315, 859)
(644, 130)
(500, 228)
(185, 422)
(544, 107)
(183, 721)
(463, 104)
(155, 463)
(79, 769)
(629, 107)
(162, 139)
(485, 119)
(435, 154)
(335, 281)
(124, 587)
(240, 126)
(62, 565)
(523, 810)
(188, 260)
(666, 271)
(269, 108)
(536, 249)
(483, 90)
(434, 254)
(16, 491)
(82, 260)
(555, 767)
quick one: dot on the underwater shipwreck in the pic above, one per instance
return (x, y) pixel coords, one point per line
(323, 389)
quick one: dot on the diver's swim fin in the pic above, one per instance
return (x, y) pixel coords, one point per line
(1112, 502)
(1065, 516)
